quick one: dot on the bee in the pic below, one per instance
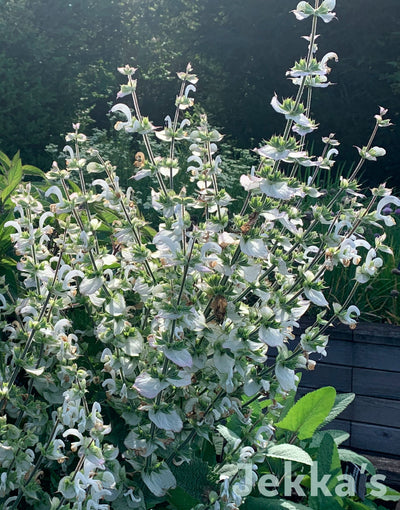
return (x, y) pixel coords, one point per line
(116, 246)
(219, 305)
(252, 221)
(140, 160)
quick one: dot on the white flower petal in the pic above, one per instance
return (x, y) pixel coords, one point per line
(316, 297)
(254, 248)
(90, 285)
(70, 275)
(96, 300)
(271, 336)
(251, 387)
(184, 379)
(250, 182)
(223, 362)
(166, 420)
(286, 377)
(251, 273)
(159, 482)
(134, 344)
(116, 306)
(148, 386)
(278, 190)
(181, 357)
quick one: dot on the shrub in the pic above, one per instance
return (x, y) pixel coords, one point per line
(136, 369)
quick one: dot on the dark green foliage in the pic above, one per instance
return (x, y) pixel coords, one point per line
(55, 56)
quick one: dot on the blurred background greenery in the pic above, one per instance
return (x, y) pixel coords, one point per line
(58, 64)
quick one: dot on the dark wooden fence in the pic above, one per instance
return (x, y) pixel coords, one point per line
(364, 361)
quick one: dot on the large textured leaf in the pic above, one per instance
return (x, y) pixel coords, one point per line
(328, 460)
(193, 478)
(309, 412)
(328, 465)
(339, 436)
(357, 505)
(341, 402)
(228, 471)
(289, 452)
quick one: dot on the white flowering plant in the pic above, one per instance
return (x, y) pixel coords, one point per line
(141, 364)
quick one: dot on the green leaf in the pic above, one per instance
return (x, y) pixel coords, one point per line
(329, 460)
(13, 178)
(75, 188)
(328, 464)
(288, 403)
(181, 499)
(33, 170)
(341, 402)
(228, 470)
(257, 407)
(106, 215)
(339, 436)
(193, 478)
(309, 412)
(356, 505)
(271, 504)
(5, 232)
(228, 434)
(389, 495)
(329, 503)
(350, 456)
(289, 452)
(5, 160)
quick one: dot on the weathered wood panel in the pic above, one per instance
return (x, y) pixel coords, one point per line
(380, 334)
(363, 355)
(376, 410)
(376, 383)
(325, 374)
(383, 440)
(365, 361)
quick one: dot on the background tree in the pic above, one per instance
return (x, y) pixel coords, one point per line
(58, 60)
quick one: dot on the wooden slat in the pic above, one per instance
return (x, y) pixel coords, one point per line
(381, 357)
(340, 425)
(328, 375)
(388, 466)
(362, 355)
(376, 383)
(384, 440)
(339, 352)
(381, 334)
(375, 411)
